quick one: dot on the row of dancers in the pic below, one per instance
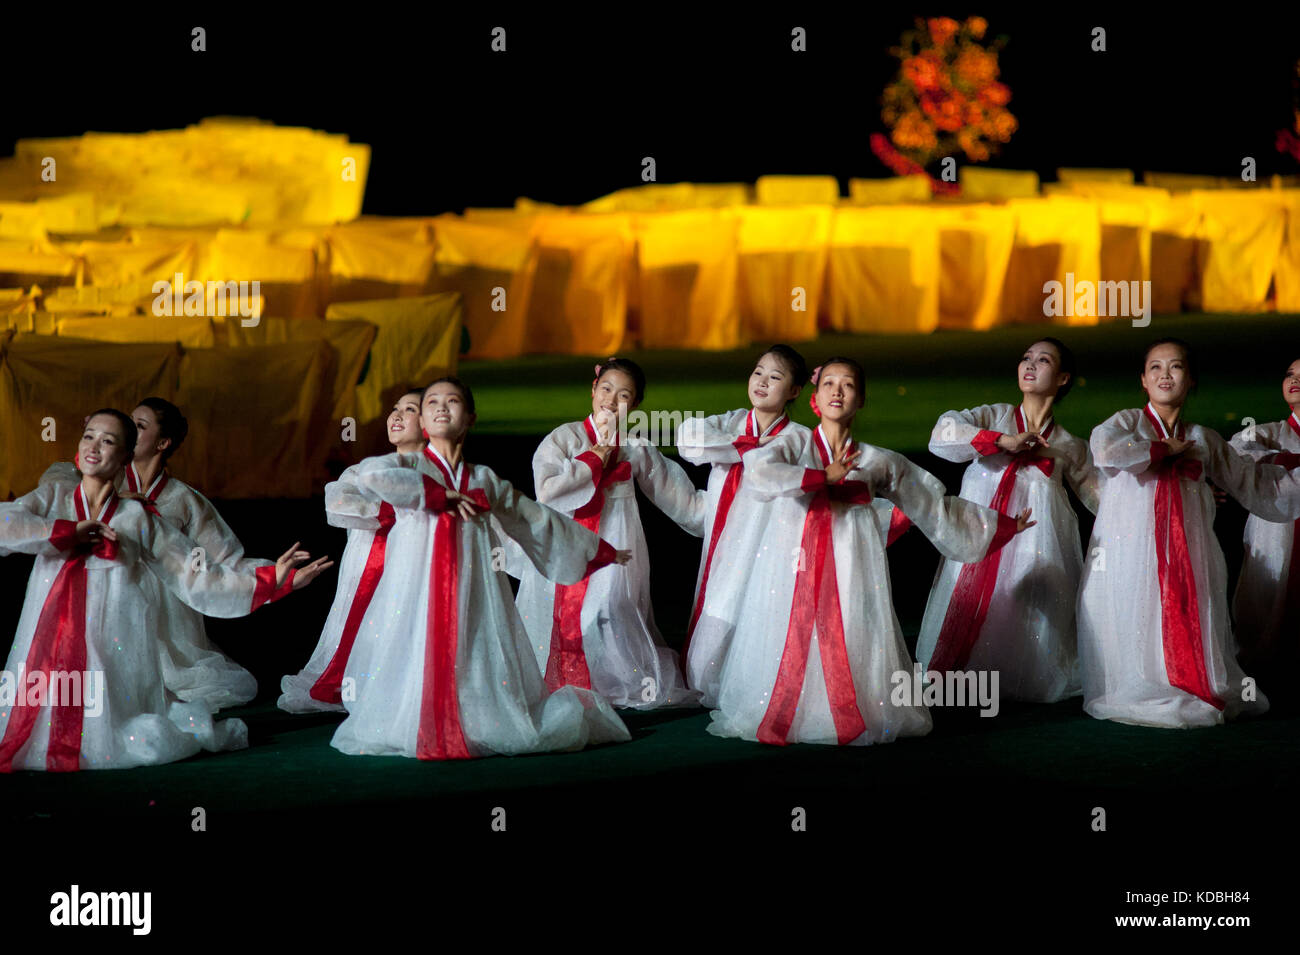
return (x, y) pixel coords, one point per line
(792, 634)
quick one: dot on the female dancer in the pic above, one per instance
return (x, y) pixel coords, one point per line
(193, 668)
(372, 528)
(89, 625)
(1155, 647)
(1013, 612)
(600, 633)
(1267, 601)
(822, 580)
(441, 662)
(735, 520)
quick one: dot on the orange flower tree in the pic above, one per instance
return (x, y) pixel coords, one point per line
(946, 98)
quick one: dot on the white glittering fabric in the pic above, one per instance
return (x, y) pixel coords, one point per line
(627, 659)
(872, 635)
(193, 667)
(712, 441)
(1121, 643)
(503, 705)
(142, 722)
(1260, 599)
(358, 512)
(1028, 635)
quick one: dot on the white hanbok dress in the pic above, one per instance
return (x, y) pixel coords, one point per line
(373, 527)
(1266, 605)
(600, 633)
(733, 531)
(95, 610)
(1013, 612)
(1155, 645)
(818, 651)
(441, 664)
(193, 668)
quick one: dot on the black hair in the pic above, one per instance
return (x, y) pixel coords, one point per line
(1066, 364)
(463, 388)
(1189, 357)
(171, 423)
(794, 364)
(629, 368)
(130, 433)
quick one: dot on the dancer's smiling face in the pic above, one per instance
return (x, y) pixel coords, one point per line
(839, 394)
(444, 413)
(1166, 378)
(1040, 372)
(1291, 384)
(149, 440)
(614, 393)
(102, 451)
(771, 385)
(404, 419)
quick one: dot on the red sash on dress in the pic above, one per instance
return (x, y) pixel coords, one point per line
(59, 644)
(328, 689)
(1180, 611)
(968, 607)
(440, 735)
(567, 663)
(817, 603)
(747, 442)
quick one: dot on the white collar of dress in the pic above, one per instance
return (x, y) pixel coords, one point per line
(824, 446)
(751, 425)
(453, 475)
(1048, 425)
(1160, 425)
(134, 483)
(105, 510)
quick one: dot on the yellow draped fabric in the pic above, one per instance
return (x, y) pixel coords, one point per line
(975, 243)
(1287, 278)
(782, 270)
(24, 264)
(491, 268)
(979, 184)
(48, 385)
(1057, 239)
(1178, 181)
(884, 270)
(870, 192)
(286, 272)
(687, 280)
(797, 190)
(366, 263)
(268, 437)
(580, 293)
(417, 340)
(190, 332)
(1243, 233)
(349, 339)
